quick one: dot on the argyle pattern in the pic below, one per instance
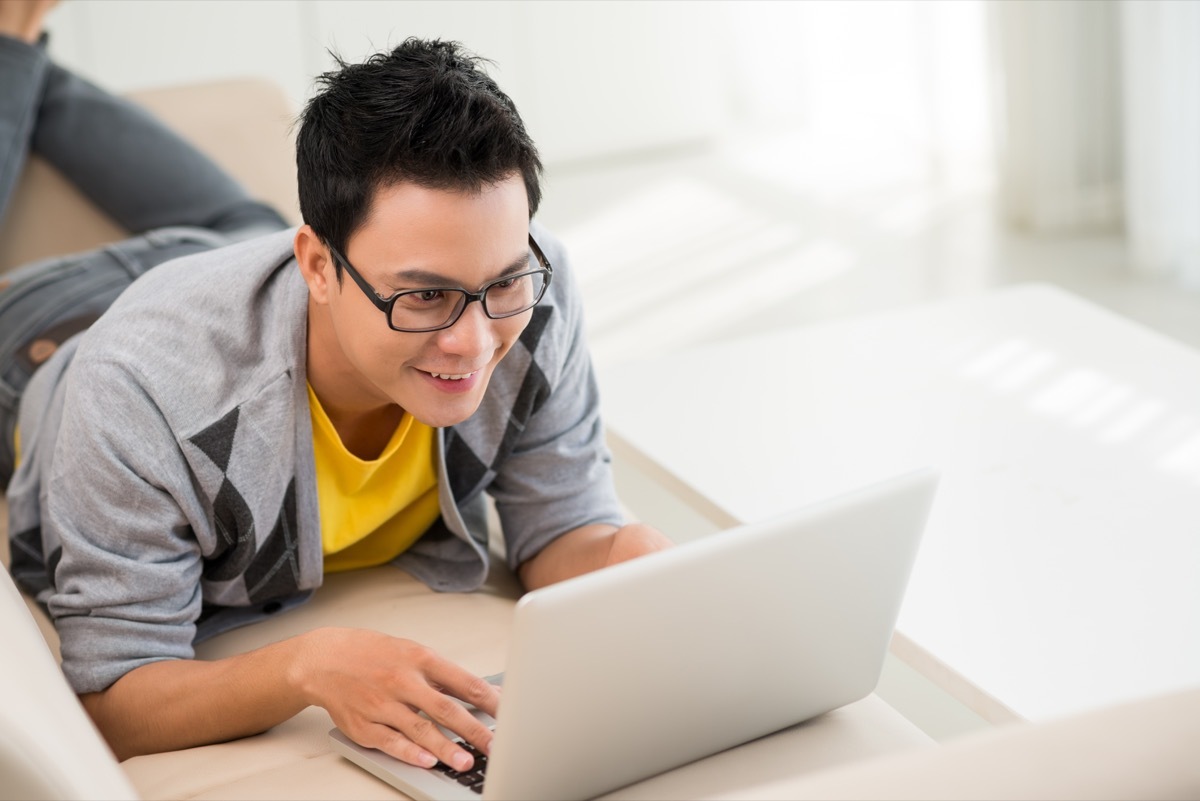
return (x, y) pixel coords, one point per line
(260, 564)
(470, 470)
(268, 565)
(29, 569)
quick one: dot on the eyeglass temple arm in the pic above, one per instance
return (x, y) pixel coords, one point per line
(367, 289)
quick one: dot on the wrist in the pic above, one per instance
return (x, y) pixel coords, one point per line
(302, 658)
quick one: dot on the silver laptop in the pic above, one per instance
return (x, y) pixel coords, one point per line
(631, 671)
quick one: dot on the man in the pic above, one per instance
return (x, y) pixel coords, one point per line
(341, 395)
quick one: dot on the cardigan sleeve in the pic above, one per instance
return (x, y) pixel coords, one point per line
(126, 566)
(554, 473)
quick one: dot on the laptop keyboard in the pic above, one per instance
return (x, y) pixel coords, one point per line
(473, 778)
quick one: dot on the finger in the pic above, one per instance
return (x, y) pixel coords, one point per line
(464, 685)
(452, 715)
(425, 733)
(394, 744)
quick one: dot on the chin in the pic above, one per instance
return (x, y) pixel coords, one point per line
(440, 413)
(441, 419)
(436, 408)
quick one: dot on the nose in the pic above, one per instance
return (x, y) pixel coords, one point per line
(470, 335)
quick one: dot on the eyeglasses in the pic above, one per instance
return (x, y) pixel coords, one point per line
(417, 311)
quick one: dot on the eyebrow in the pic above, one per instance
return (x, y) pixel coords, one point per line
(430, 279)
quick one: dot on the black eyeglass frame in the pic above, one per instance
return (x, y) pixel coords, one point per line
(385, 304)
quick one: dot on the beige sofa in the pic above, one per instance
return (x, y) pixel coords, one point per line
(243, 125)
(49, 749)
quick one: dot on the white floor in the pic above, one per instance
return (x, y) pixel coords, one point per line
(711, 242)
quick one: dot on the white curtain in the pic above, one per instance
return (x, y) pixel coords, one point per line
(870, 88)
(1161, 49)
(1098, 123)
(1058, 113)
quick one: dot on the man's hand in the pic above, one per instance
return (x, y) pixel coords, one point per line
(375, 687)
(590, 548)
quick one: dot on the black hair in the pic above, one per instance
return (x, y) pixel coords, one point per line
(425, 113)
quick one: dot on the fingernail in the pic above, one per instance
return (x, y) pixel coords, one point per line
(427, 759)
(461, 762)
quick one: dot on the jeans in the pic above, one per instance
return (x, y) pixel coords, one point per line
(130, 165)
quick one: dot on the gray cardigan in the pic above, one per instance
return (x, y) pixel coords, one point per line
(167, 487)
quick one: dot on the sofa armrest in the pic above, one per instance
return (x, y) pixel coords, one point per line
(49, 747)
(1139, 750)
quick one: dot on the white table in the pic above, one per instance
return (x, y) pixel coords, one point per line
(1060, 567)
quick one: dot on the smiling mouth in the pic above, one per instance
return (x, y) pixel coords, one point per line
(451, 377)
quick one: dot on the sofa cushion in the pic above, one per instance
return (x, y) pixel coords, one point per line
(294, 760)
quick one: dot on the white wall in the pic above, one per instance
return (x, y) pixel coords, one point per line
(595, 78)
(590, 78)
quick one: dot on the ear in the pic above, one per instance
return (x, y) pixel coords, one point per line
(315, 263)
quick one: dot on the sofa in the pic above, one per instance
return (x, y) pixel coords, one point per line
(50, 749)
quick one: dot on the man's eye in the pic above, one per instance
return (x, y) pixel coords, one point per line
(505, 284)
(425, 297)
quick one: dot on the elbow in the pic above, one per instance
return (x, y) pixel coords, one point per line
(97, 709)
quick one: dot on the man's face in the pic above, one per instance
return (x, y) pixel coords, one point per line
(416, 238)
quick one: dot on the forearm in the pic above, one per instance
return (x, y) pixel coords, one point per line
(164, 706)
(590, 548)
(382, 691)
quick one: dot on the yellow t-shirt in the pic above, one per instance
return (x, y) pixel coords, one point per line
(372, 511)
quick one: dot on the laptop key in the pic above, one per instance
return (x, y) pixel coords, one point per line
(473, 778)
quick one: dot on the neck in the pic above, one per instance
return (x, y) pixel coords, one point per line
(364, 422)
(366, 436)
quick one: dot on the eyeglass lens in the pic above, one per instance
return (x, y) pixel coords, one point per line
(426, 309)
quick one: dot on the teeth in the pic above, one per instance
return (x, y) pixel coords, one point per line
(452, 377)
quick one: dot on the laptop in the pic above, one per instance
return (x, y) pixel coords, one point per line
(627, 672)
